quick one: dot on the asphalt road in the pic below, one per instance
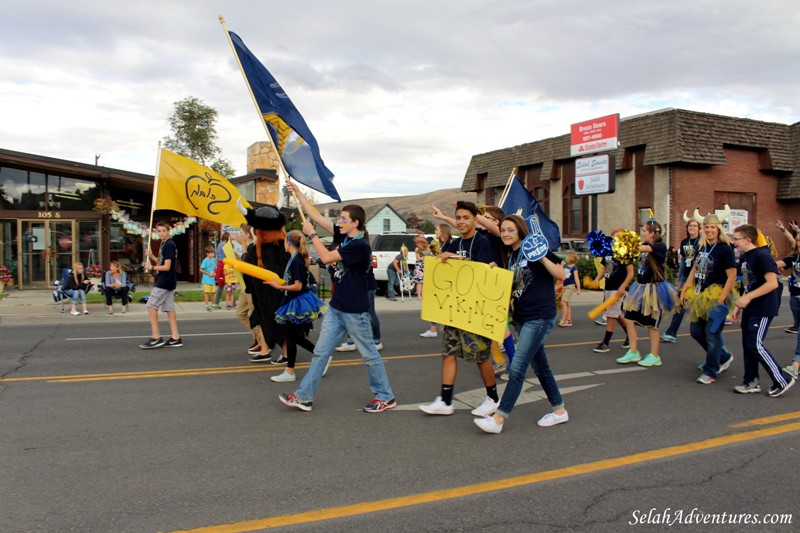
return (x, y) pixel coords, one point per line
(98, 435)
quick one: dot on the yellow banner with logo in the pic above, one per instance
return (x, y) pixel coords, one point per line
(193, 189)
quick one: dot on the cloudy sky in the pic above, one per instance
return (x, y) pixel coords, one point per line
(399, 95)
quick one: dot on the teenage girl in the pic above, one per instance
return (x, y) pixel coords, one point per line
(650, 297)
(299, 307)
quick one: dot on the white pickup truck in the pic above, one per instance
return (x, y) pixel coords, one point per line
(385, 247)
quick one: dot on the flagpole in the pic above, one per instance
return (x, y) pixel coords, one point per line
(508, 186)
(153, 202)
(260, 117)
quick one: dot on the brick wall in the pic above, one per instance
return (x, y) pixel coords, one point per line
(698, 186)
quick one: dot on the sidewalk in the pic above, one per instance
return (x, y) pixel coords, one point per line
(20, 307)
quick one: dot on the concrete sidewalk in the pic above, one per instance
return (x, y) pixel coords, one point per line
(20, 307)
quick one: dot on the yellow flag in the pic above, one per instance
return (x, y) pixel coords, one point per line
(192, 189)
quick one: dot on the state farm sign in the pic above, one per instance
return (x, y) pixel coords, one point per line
(596, 135)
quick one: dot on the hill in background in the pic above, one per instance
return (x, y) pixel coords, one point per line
(417, 204)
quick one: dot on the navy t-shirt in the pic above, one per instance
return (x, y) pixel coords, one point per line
(534, 292)
(755, 265)
(711, 263)
(295, 271)
(686, 254)
(495, 242)
(645, 272)
(792, 262)
(615, 273)
(168, 279)
(351, 277)
(476, 248)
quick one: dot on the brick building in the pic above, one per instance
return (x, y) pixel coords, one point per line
(669, 161)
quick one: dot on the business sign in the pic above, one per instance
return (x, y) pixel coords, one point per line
(596, 135)
(738, 217)
(595, 174)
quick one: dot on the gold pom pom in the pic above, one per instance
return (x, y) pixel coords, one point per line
(626, 246)
(589, 283)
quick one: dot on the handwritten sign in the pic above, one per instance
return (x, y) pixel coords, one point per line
(467, 295)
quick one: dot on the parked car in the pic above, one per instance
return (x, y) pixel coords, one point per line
(580, 246)
(385, 247)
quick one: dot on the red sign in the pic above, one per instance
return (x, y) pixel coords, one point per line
(596, 135)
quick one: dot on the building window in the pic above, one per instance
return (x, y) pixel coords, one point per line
(23, 190)
(387, 225)
(531, 176)
(575, 208)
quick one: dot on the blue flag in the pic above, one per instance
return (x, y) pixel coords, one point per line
(519, 201)
(297, 147)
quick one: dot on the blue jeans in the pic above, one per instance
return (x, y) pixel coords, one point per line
(393, 280)
(675, 325)
(530, 351)
(77, 294)
(794, 305)
(373, 318)
(712, 343)
(334, 326)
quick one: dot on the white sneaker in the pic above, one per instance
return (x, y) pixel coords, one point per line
(437, 407)
(283, 377)
(504, 376)
(74, 313)
(379, 346)
(428, 334)
(346, 347)
(488, 424)
(551, 419)
(488, 407)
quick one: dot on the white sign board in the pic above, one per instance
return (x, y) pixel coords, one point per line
(594, 174)
(738, 218)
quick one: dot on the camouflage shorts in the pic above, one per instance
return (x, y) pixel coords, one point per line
(469, 346)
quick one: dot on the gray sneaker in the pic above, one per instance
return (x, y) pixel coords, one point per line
(601, 348)
(792, 371)
(705, 379)
(747, 388)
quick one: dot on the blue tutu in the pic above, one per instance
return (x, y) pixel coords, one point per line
(301, 309)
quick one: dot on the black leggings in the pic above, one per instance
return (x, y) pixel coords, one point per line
(296, 335)
(121, 293)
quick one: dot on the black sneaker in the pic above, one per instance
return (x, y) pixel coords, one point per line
(153, 343)
(626, 344)
(601, 348)
(279, 361)
(791, 329)
(174, 343)
(774, 392)
(261, 358)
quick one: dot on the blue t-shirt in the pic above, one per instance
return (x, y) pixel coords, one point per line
(352, 277)
(209, 265)
(755, 265)
(571, 271)
(476, 248)
(168, 280)
(533, 291)
(295, 270)
(711, 263)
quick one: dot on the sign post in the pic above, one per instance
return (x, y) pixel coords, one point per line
(594, 175)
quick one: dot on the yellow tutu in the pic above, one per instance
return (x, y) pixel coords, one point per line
(699, 305)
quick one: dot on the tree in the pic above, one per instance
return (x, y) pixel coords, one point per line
(194, 134)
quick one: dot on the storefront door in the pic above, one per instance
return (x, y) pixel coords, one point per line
(47, 246)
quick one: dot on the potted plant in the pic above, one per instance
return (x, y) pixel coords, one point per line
(94, 272)
(6, 277)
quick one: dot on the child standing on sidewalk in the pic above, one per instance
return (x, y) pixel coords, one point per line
(207, 268)
(299, 307)
(572, 285)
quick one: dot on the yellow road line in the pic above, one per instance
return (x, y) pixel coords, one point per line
(500, 484)
(192, 371)
(768, 420)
